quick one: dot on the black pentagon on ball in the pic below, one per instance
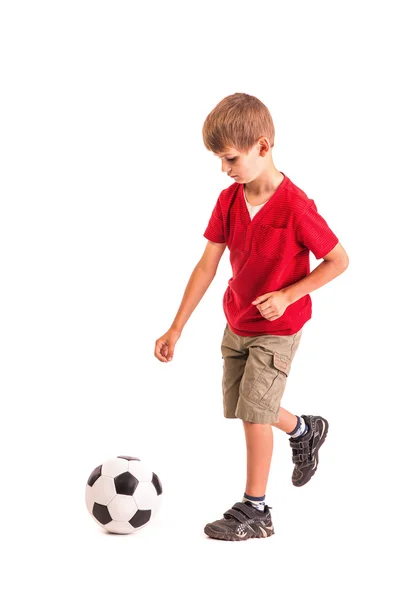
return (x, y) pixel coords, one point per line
(126, 484)
(94, 475)
(157, 484)
(100, 512)
(128, 457)
(140, 518)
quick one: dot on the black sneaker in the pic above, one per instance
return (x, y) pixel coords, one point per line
(305, 449)
(242, 522)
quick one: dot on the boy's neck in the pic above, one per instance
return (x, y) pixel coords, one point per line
(265, 184)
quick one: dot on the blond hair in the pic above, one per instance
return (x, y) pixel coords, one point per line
(238, 121)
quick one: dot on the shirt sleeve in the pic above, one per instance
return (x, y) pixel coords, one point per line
(313, 232)
(215, 228)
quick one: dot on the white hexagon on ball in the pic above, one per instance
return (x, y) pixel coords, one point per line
(119, 527)
(140, 470)
(114, 467)
(145, 495)
(122, 508)
(103, 490)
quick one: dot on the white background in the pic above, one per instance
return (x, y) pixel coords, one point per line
(106, 190)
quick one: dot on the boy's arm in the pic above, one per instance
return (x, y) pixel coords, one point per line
(200, 279)
(334, 263)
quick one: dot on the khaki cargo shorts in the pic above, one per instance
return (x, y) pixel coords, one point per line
(255, 371)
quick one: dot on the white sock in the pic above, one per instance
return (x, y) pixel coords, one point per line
(257, 502)
(300, 429)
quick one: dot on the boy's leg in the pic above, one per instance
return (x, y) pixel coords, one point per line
(260, 392)
(287, 422)
(259, 444)
(244, 520)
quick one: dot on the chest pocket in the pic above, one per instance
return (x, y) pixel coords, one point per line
(270, 241)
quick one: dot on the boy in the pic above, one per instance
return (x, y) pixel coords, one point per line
(269, 226)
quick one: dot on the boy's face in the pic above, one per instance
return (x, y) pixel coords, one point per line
(242, 167)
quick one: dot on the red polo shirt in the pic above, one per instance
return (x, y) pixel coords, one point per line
(267, 253)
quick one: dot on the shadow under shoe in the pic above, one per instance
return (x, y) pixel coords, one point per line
(242, 522)
(305, 449)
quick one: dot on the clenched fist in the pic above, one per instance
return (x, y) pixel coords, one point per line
(165, 345)
(272, 305)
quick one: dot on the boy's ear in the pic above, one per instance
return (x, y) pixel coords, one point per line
(266, 145)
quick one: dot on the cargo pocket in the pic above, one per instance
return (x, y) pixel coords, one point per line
(268, 388)
(282, 363)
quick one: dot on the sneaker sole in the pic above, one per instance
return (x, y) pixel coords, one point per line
(230, 536)
(311, 473)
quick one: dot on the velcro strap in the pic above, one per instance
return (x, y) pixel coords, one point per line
(300, 457)
(236, 514)
(296, 445)
(241, 512)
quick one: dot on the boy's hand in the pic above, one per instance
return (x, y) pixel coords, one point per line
(165, 345)
(272, 305)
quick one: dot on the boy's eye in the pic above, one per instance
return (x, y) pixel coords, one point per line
(231, 159)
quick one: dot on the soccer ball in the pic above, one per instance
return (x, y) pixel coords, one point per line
(123, 494)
